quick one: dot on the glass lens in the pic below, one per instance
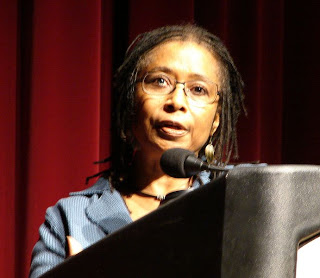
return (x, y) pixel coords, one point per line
(157, 83)
(201, 92)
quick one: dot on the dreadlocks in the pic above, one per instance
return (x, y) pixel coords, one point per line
(230, 103)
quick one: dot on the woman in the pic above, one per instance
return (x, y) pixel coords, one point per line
(178, 87)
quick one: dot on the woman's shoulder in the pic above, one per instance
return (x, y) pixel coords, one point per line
(87, 209)
(99, 187)
(79, 200)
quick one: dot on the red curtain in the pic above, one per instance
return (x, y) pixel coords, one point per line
(57, 60)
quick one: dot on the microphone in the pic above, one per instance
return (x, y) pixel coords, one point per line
(181, 163)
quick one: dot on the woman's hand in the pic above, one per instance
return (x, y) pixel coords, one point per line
(74, 246)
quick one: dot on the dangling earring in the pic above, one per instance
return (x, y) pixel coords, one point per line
(209, 152)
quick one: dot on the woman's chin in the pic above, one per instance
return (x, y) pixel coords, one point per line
(172, 145)
(156, 146)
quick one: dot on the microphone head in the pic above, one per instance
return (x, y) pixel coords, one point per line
(172, 162)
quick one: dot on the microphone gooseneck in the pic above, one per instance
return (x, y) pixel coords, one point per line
(182, 163)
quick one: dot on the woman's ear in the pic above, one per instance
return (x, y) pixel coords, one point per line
(215, 123)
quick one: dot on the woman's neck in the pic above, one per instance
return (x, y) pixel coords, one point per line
(149, 177)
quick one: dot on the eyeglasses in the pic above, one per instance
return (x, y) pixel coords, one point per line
(200, 92)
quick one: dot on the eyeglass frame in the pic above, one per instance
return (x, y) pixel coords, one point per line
(218, 93)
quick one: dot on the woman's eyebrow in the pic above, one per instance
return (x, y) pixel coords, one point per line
(163, 69)
(197, 76)
(193, 76)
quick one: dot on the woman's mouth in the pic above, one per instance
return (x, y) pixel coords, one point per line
(171, 129)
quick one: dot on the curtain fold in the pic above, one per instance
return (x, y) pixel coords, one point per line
(64, 106)
(8, 112)
(301, 84)
(57, 62)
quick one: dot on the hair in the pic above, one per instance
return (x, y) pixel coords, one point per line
(230, 101)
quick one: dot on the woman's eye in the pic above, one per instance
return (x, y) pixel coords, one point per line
(198, 90)
(159, 81)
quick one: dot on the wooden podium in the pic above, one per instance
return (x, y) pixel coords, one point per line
(247, 223)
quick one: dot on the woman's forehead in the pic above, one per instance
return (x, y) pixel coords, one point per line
(187, 57)
(178, 44)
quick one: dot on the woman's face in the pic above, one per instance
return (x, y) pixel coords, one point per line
(172, 121)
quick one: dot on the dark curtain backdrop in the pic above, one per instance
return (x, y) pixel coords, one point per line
(57, 59)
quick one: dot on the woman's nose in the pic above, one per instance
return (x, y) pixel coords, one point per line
(177, 99)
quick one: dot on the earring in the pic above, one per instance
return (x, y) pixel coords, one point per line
(209, 152)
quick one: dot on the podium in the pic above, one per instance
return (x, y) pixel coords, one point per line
(247, 223)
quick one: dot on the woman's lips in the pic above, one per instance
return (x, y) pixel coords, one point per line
(171, 129)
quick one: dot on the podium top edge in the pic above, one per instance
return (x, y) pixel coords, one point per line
(281, 168)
